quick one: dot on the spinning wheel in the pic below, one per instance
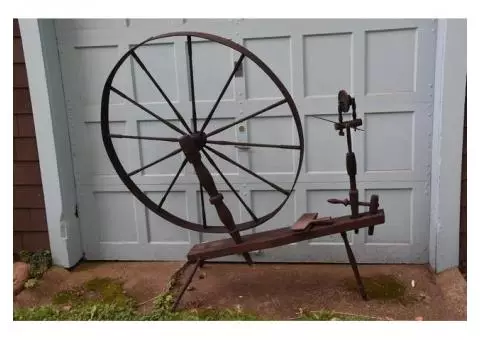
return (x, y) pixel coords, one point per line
(197, 143)
(198, 138)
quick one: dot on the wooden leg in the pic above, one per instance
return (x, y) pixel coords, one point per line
(186, 284)
(353, 263)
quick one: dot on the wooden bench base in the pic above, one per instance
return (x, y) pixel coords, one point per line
(280, 237)
(307, 227)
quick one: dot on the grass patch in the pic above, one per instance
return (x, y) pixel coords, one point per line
(162, 312)
(39, 262)
(68, 297)
(104, 299)
(325, 315)
(381, 287)
(107, 291)
(98, 290)
(84, 312)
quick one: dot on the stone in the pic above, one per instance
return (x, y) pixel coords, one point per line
(21, 273)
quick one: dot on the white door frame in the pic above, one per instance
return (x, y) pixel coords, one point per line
(50, 118)
(450, 82)
(53, 142)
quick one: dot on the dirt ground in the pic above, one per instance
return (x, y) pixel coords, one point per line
(141, 280)
(274, 291)
(278, 291)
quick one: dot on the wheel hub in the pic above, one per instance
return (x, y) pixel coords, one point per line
(192, 144)
(199, 138)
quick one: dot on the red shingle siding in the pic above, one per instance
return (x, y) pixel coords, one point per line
(25, 125)
(35, 241)
(29, 219)
(26, 173)
(28, 196)
(25, 149)
(21, 101)
(18, 56)
(20, 75)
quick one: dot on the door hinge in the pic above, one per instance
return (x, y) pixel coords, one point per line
(76, 210)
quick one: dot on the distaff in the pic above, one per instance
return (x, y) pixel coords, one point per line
(345, 101)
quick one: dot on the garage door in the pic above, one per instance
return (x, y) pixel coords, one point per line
(388, 65)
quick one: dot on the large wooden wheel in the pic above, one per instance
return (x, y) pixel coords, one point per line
(198, 134)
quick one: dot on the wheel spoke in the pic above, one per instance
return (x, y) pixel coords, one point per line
(204, 217)
(276, 146)
(221, 155)
(171, 154)
(166, 122)
(179, 116)
(164, 139)
(268, 108)
(230, 185)
(173, 182)
(229, 80)
(192, 87)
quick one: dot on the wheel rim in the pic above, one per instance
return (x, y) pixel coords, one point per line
(141, 195)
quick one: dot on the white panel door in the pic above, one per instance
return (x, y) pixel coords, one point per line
(388, 65)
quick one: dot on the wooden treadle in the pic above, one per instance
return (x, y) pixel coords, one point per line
(279, 237)
(304, 221)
